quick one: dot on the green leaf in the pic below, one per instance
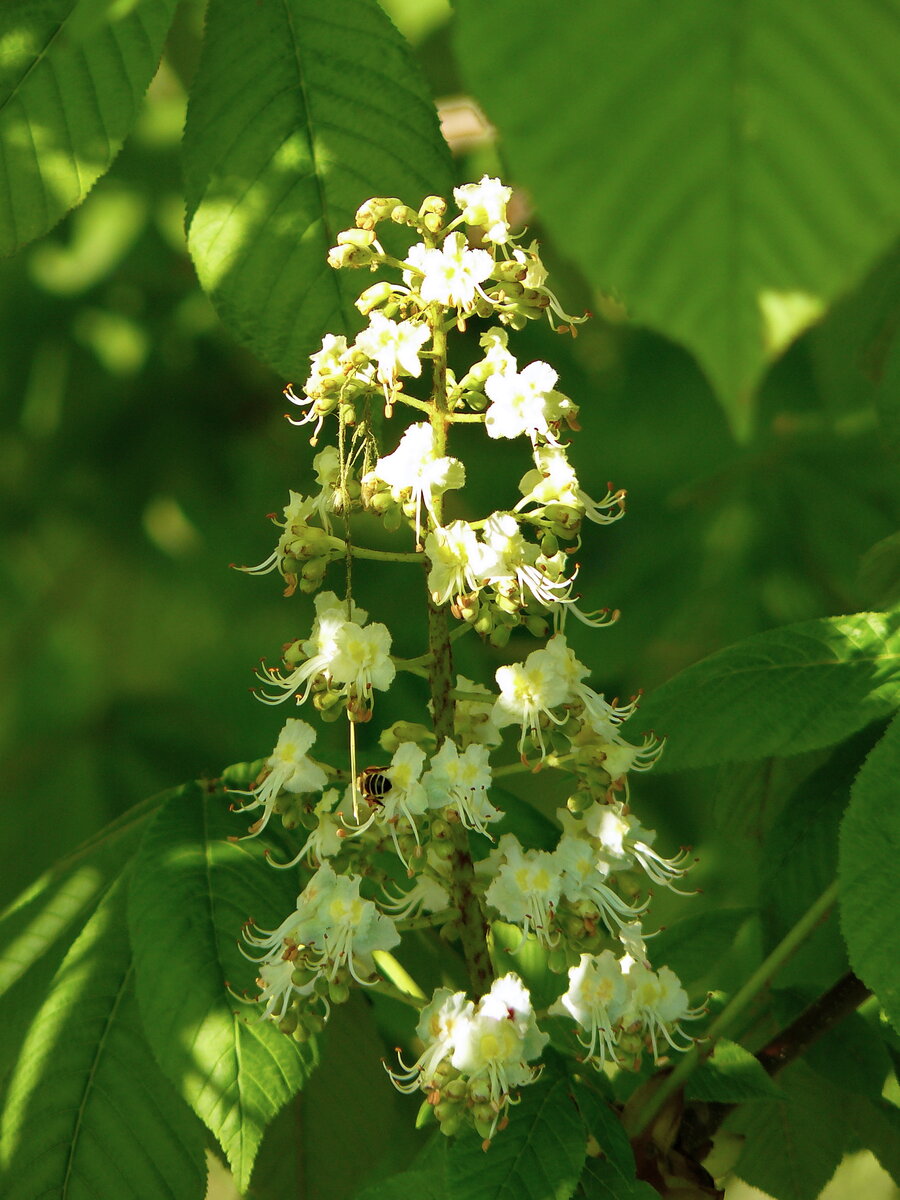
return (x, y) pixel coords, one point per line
(869, 850)
(799, 861)
(852, 1054)
(726, 169)
(298, 114)
(538, 1156)
(60, 901)
(793, 1146)
(304, 1150)
(731, 1076)
(692, 946)
(793, 689)
(88, 1111)
(609, 1169)
(423, 1185)
(72, 75)
(876, 1123)
(191, 891)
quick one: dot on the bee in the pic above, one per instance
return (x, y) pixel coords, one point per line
(373, 784)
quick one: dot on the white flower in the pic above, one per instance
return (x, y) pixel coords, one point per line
(528, 691)
(583, 868)
(327, 364)
(449, 276)
(295, 529)
(659, 1003)
(554, 482)
(436, 1028)
(330, 371)
(426, 895)
(513, 562)
(393, 346)
(332, 928)
(484, 203)
(497, 358)
(289, 770)
(596, 998)
(405, 797)
(415, 471)
(525, 889)
(461, 781)
(362, 659)
(490, 1045)
(534, 273)
(327, 838)
(498, 1040)
(523, 403)
(602, 716)
(320, 648)
(534, 276)
(624, 841)
(456, 557)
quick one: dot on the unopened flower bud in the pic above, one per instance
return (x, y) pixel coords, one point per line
(402, 214)
(374, 296)
(379, 208)
(361, 238)
(433, 204)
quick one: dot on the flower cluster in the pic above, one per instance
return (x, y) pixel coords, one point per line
(424, 839)
(475, 1056)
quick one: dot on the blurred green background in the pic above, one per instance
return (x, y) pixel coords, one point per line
(142, 450)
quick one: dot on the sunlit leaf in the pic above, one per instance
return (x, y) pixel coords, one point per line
(798, 688)
(192, 890)
(298, 114)
(72, 75)
(88, 1112)
(726, 169)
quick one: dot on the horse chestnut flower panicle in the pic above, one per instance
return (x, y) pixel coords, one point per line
(410, 844)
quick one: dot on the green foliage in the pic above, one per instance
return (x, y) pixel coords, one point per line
(297, 114)
(793, 1146)
(191, 891)
(88, 1111)
(726, 204)
(539, 1156)
(72, 76)
(870, 842)
(730, 1076)
(793, 689)
(724, 175)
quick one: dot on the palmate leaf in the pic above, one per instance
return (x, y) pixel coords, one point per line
(793, 1146)
(867, 869)
(300, 111)
(190, 893)
(539, 1156)
(88, 1113)
(304, 1150)
(728, 169)
(793, 689)
(72, 74)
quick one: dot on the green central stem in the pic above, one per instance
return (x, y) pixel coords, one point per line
(473, 927)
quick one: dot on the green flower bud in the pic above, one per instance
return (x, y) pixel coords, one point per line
(338, 993)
